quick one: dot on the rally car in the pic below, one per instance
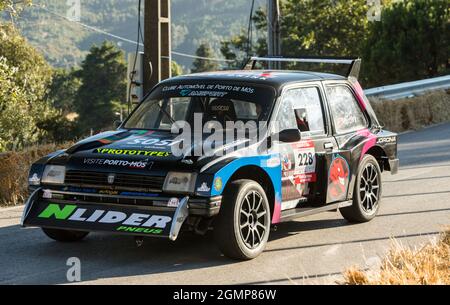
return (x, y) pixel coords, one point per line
(309, 142)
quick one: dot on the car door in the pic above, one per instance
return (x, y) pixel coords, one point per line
(302, 108)
(349, 123)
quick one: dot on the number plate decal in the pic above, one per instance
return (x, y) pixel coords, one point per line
(305, 162)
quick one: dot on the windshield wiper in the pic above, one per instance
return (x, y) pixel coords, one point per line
(172, 120)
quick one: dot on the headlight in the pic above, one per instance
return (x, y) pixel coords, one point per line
(54, 174)
(180, 182)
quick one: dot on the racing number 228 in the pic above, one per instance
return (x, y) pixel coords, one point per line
(306, 159)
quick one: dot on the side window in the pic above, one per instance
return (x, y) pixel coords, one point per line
(347, 116)
(302, 109)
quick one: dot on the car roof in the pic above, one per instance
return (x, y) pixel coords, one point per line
(274, 78)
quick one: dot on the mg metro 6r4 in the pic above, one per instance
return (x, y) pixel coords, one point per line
(327, 153)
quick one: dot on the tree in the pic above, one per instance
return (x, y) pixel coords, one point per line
(202, 65)
(103, 77)
(25, 77)
(13, 7)
(17, 125)
(309, 28)
(411, 42)
(63, 90)
(34, 74)
(176, 68)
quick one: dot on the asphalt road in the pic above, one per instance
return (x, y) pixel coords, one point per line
(416, 206)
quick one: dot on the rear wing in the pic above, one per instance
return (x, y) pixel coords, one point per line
(353, 71)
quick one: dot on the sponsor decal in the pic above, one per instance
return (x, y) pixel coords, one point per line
(138, 230)
(260, 76)
(305, 178)
(152, 142)
(121, 163)
(72, 213)
(108, 192)
(210, 90)
(218, 184)
(286, 163)
(220, 108)
(111, 178)
(47, 194)
(128, 152)
(135, 194)
(273, 162)
(305, 155)
(187, 161)
(34, 180)
(218, 94)
(298, 163)
(338, 179)
(80, 190)
(185, 92)
(173, 203)
(387, 140)
(204, 188)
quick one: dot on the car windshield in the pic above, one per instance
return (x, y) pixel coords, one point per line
(211, 101)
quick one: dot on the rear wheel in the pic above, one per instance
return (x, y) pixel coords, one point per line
(367, 193)
(243, 225)
(65, 235)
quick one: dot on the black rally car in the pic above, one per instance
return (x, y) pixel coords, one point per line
(326, 153)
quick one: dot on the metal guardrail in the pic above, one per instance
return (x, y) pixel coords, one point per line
(411, 89)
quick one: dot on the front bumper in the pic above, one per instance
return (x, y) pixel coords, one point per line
(133, 215)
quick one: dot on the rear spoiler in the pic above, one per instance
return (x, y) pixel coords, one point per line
(353, 71)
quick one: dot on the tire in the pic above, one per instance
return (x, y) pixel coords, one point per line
(367, 192)
(242, 228)
(65, 235)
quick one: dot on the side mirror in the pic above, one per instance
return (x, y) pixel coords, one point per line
(117, 124)
(289, 136)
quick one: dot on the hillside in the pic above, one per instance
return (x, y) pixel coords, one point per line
(65, 43)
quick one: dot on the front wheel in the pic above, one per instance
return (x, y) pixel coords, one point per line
(367, 193)
(243, 225)
(65, 235)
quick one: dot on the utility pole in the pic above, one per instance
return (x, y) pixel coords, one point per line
(273, 27)
(158, 48)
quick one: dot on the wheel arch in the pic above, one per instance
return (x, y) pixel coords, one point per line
(257, 174)
(380, 155)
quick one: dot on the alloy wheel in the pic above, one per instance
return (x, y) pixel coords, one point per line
(369, 189)
(253, 226)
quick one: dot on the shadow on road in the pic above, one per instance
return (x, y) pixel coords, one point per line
(101, 255)
(111, 256)
(288, 229)
(354, 241)
(417, 194)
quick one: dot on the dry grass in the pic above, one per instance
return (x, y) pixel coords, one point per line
(413, 113)
(14, 167)
(428, 265)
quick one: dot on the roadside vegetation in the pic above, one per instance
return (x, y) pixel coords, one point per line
(427, 265)
(14, 168)
(413, 113)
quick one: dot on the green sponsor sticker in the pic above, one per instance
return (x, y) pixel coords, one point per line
(56, 211)
(138, 230)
